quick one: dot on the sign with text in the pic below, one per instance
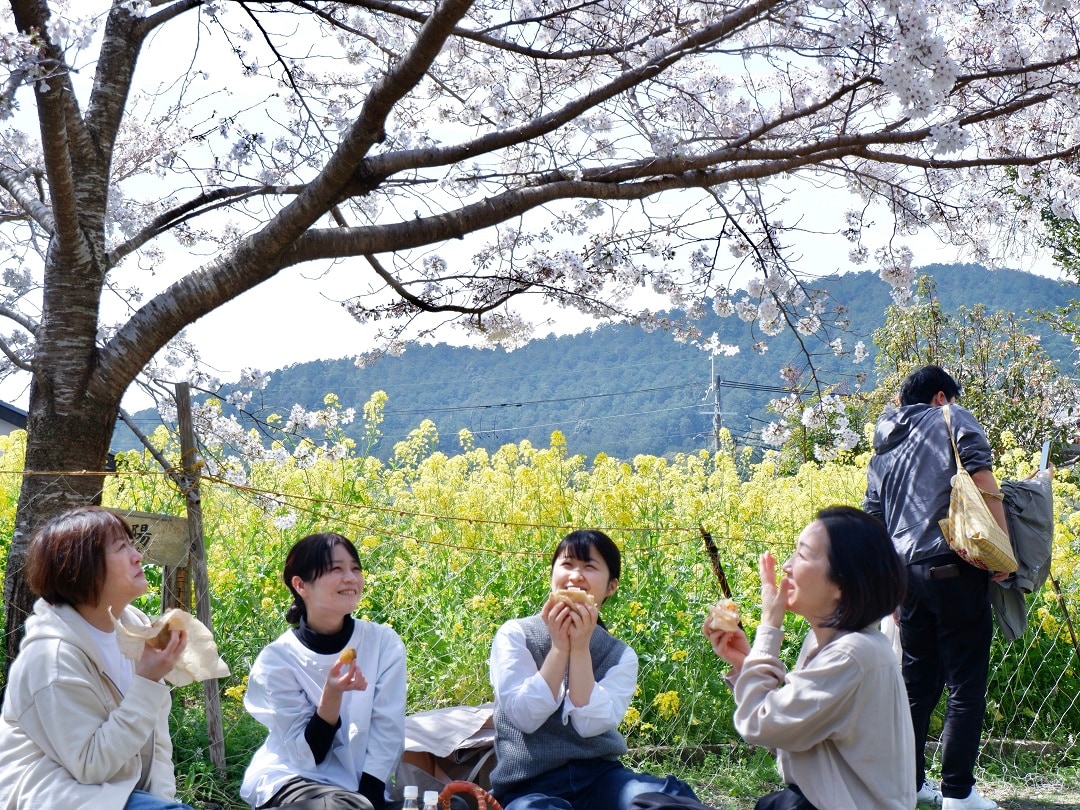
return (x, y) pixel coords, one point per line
(162, 539)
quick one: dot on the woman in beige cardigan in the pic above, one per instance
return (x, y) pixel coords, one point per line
(839, 721)
(82, 726)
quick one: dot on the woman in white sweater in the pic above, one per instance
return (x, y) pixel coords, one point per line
(839, 721)
(82, 726)
(336, 719)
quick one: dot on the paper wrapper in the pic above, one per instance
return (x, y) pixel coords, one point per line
(198, 662)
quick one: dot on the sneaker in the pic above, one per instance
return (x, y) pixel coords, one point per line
(928, 794)
(974, 801)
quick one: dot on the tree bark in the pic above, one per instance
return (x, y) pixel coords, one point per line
(63, 470)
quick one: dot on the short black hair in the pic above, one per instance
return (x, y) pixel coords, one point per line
(578, 544)
(66, 561)
(865, 565)
(310, 558)
(920, 386)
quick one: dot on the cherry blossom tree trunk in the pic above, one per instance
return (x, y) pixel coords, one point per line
(76, 441)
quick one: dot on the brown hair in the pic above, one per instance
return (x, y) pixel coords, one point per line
(66, 561)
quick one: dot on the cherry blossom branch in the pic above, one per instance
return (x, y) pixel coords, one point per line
(195, 207)
(254, 260)
(541, 125)
(284, 67)
(27, 323)
(427, 306)
(13, 358)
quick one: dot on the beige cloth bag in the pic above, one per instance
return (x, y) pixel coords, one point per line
(970, 528)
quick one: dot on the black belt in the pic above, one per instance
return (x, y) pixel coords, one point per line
(950, 571)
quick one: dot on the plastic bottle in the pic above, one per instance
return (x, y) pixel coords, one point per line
(431, 800)
(410, 792)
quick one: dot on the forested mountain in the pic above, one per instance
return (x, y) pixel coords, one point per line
(618, 389)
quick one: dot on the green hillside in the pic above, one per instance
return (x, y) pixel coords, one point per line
(617, 389)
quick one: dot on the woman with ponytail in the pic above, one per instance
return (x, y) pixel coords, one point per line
(331, 691)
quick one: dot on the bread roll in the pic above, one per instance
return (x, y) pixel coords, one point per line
(199, 659)
(570, 596)
(724, 615)
(165, 626)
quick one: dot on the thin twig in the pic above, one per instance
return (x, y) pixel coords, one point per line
(1065, 612)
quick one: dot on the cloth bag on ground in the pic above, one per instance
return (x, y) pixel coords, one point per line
(447, 745)
(662, 801)
(970, 528)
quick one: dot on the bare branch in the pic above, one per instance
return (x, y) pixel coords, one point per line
(516, 288)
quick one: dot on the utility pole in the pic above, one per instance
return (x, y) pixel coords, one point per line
(191, 472)
(718, 402)
(718, 418)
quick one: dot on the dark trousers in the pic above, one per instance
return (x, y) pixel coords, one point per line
(946, 626)
(303, 794)
(591, 784)
(790, 798)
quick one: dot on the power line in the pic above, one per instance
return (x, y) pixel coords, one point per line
(585, 419)
(494, 431)
(457, 408)
(748, 386)
(580, 397)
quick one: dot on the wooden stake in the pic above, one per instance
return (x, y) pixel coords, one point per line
(191, 467)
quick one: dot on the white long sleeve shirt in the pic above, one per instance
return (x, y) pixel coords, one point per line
(284, 689)
(525, 697)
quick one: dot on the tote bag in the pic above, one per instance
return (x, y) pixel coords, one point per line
(970, 529)
(455, 744)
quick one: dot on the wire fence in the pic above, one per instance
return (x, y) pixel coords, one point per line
(454, 546)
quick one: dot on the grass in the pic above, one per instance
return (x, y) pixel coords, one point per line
(735, 778)
(727, 777)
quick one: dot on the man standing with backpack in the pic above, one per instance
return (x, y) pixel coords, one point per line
(946, 622)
